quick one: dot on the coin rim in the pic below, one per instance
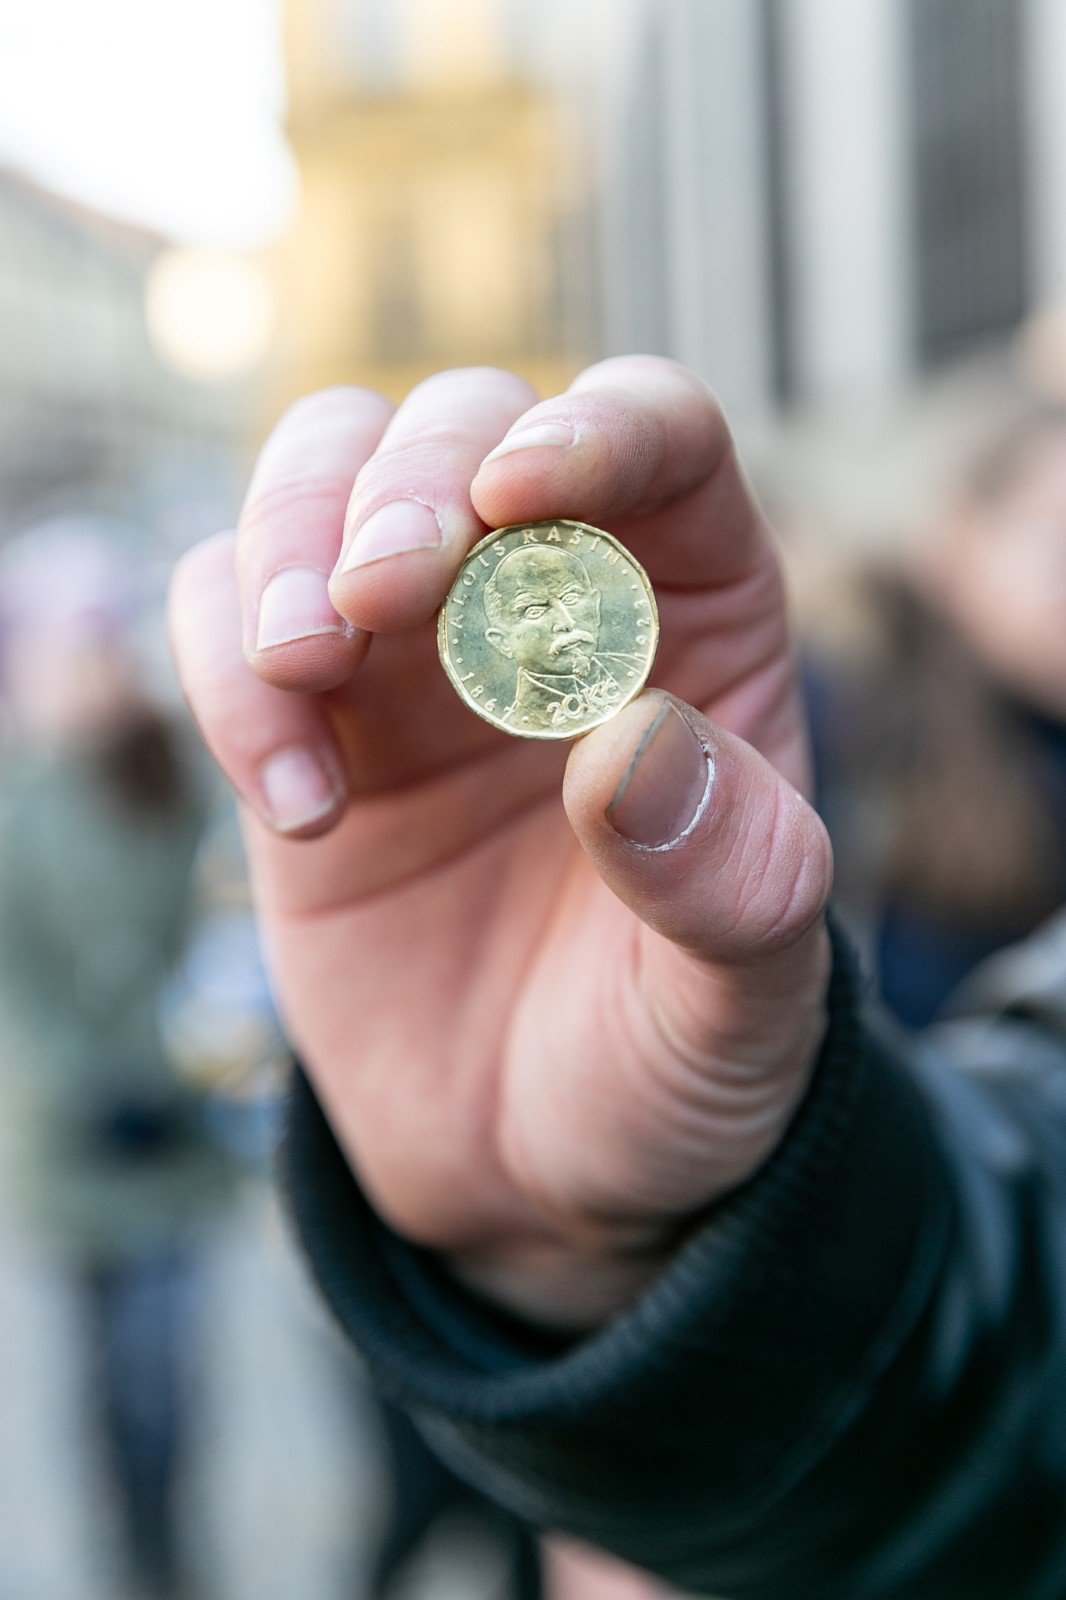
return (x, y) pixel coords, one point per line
(442, 636)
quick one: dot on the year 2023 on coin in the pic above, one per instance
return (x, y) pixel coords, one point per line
(549, 629)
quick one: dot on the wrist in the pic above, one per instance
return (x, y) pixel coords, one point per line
(565, 1288)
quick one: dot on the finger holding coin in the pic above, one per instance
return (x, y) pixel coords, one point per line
(637, 445)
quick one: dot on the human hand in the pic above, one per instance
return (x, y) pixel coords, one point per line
(575, 1571)
(545, 1030)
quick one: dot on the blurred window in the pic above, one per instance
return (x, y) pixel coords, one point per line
(968, 164)
(367, 39)
(389, 44)
(642, 260)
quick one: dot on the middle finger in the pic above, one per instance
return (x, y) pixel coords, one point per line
(410, 521)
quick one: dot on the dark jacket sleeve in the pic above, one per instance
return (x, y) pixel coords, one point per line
(850, 1382)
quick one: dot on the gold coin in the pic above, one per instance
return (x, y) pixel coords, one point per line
(549, 629)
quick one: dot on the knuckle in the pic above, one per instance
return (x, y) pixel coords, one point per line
(623, 442)
(224, 710)
(274, 506)
(680, 380)
(420, 468)
(184, 578)
(306, 466)
(199, 577)
(338, 399)
(202, 560)
(465, 378)
(665, 430)
(662, 373)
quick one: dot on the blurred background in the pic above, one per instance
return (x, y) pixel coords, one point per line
(850, 219)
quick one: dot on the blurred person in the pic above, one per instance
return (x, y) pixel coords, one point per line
(101, 815)
(940, 733)
(596, 1150)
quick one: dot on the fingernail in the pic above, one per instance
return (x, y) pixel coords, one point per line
(664, 787)
(297, 788)
(295, 605)
(404, 525)
(543, 433)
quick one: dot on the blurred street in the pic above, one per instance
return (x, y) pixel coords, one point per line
(286, 1486)
(286, 1480)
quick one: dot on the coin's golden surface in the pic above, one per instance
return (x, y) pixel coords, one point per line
(549, 629)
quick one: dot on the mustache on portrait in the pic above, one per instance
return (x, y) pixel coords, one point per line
(566, 640)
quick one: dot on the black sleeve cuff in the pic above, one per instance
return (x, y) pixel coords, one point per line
(729, 1378)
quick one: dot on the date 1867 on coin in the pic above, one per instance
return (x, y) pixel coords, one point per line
(549, 629)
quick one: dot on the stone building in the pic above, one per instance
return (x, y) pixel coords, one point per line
(90, 416)
(804, 199)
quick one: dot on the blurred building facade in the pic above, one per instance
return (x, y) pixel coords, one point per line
(811, 200)
(445, 210)
(806, 200)
(90, 417)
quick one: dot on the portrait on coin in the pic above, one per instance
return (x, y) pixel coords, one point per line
(543, 612)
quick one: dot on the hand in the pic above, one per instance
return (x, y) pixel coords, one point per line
(546, 1030)
(575, 1571)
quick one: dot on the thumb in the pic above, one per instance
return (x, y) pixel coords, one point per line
(728, 869)
(697, 833)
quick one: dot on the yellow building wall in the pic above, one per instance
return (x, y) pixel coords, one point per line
(432, 213)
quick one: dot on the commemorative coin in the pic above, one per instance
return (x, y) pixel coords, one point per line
(549, 629)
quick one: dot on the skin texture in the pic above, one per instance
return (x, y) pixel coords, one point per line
(543, 1037)
(576, 1572)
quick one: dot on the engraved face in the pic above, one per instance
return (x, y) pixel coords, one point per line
(544, 612)
(548, 629)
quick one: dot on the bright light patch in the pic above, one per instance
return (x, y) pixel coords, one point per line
(210, 316)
